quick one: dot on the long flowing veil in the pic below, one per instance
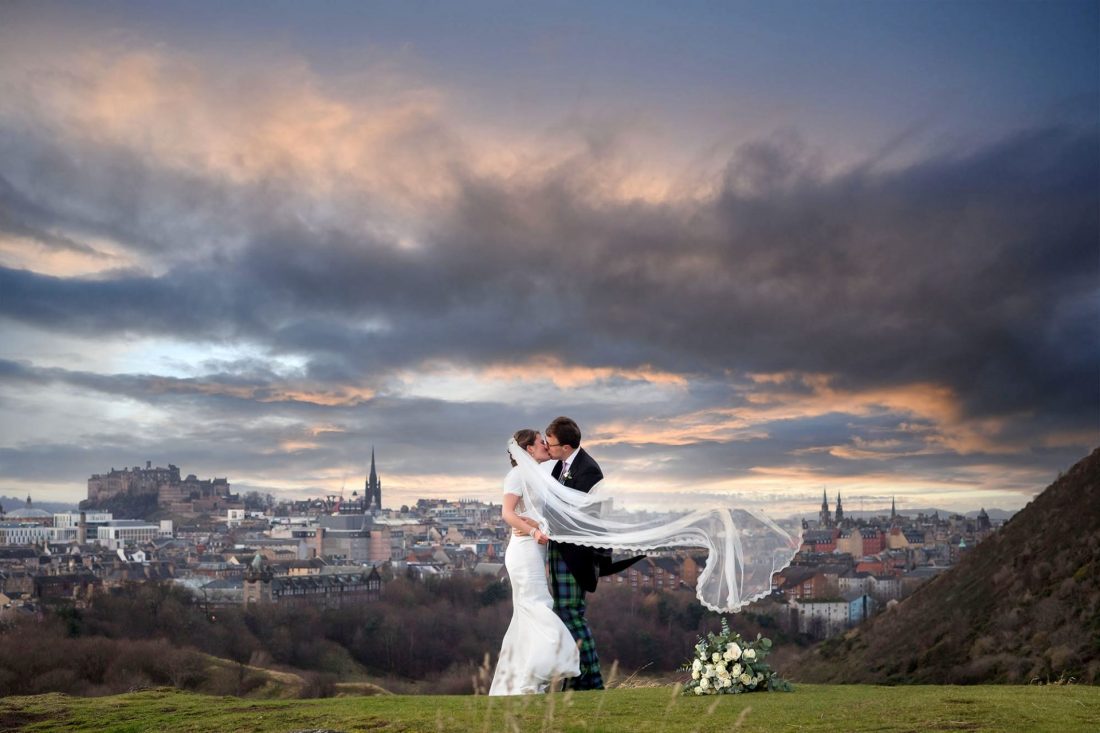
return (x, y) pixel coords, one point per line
(743, 549)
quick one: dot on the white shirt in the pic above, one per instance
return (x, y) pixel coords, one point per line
(566, 463)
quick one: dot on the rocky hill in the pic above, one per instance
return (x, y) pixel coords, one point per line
(127, 505)
(1024, 605)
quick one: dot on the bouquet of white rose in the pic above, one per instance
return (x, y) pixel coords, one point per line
(727, 664)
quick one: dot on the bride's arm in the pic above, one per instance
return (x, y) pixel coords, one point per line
(520, 525)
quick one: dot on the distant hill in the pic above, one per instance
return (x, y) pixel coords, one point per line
(995, 515)
(11, 503)
(1022, 605)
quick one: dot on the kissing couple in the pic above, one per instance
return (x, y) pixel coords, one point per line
(549, 637)
(558, 506)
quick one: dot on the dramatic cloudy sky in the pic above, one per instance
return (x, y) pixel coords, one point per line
(755, 249)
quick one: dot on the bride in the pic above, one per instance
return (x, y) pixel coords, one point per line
(537, 647)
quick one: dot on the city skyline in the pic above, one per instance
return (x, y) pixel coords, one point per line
(754, 250)
(856, 507)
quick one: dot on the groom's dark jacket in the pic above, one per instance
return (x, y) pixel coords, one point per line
(587, 564)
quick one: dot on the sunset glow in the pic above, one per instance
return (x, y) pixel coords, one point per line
(260, 251)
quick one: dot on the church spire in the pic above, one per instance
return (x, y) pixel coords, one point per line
(373, 487)
(893, 509)
(839, 509)
(824, 517)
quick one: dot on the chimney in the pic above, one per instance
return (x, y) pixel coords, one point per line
(319, 542)
(82, 529)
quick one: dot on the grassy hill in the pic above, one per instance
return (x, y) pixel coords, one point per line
(1024, 605)
(808, 708)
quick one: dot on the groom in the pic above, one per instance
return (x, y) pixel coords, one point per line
(575, 570)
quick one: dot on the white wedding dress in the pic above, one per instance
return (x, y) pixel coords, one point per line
(537, 647)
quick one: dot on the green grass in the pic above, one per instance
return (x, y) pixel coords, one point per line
(808, 708)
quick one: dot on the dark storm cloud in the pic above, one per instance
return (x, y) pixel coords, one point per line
(976, 271)
(109, 192)
(22, 218)
(218, 421)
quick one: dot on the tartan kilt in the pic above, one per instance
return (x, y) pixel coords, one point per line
(570, 606)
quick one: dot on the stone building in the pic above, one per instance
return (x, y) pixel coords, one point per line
(322, 591)
(134, 480)
(193, 495)
(190, 495)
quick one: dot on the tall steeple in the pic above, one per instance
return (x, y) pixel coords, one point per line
(893, 509)
(824, 517)
(839, 509)
(373, 487)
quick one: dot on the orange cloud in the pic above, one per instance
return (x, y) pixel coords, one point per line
(335, 397)
(695, 427)
(797, 396)
(566, 376)
(296, 446)
(385, 133)
(27, 253)
(505, 381)
(789, 395)
(275, 121)
(341, 396)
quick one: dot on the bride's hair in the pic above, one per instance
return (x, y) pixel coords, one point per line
(525, 438)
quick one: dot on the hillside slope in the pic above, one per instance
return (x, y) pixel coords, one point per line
(1024, 605)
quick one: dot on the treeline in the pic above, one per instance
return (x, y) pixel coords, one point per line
(434, 636)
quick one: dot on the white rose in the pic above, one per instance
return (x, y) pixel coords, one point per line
(695, 674)
(734, 650)
(736, 670)
(715, 657)
(698, 690)
(745, 679)
(750, 654)
(696, 666)
(723, 673)
(708, 670)
(704, 683)
(721, 666)
(728, 656)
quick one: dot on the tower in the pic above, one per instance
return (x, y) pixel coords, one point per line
(825, 516)
(839, 509)
(893, 509)
(372, 489)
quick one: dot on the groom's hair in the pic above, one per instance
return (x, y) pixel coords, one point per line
(566, 431)
(525, 438)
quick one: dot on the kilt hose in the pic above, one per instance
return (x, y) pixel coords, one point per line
(569, 604)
